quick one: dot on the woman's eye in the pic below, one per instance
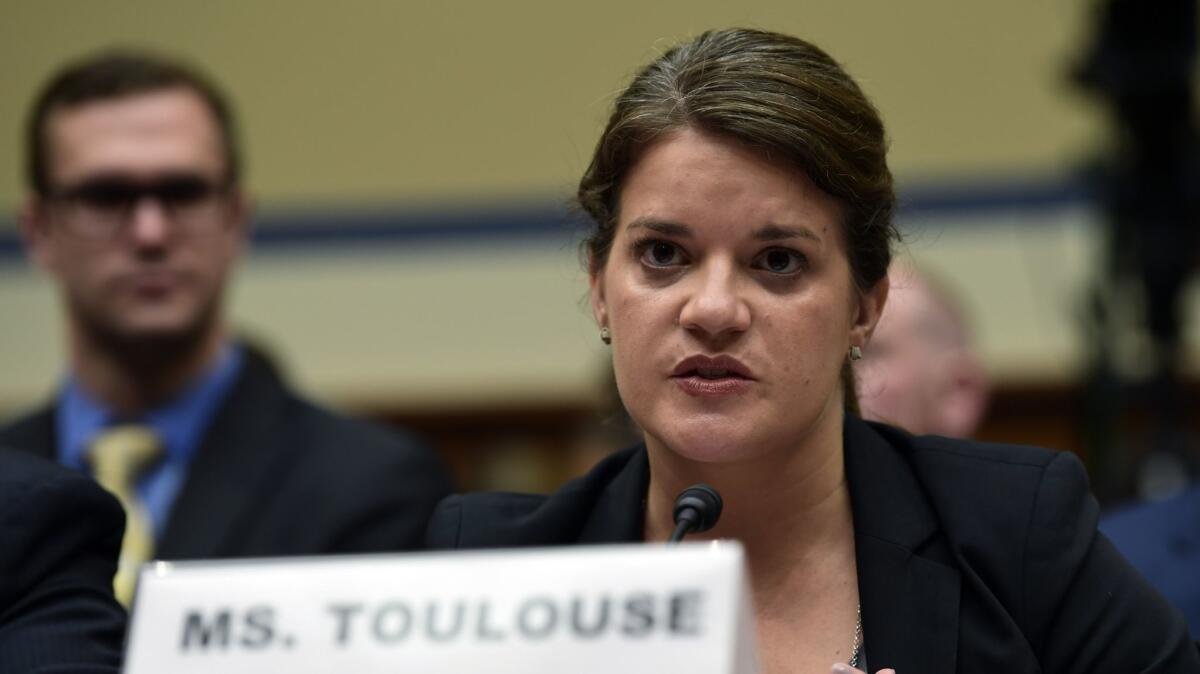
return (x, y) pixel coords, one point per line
(662, 254)
(781, 261)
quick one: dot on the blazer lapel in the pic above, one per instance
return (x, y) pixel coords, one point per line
(232, 467)
(910, 601)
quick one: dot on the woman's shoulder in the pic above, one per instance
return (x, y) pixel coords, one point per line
(1018, 525)
(955, 472)
(601, 506)
(934, 450)
(986, 493)
(1018, 518)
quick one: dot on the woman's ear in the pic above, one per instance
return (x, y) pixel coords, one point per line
(596, 289)
(870, 308)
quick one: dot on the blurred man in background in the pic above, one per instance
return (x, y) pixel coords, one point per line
(136, 210)
(920, 371)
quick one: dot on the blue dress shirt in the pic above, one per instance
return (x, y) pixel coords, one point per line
(180, 422)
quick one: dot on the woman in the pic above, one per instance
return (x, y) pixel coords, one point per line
(743, 206)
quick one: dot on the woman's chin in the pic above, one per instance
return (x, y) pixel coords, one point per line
(709, 445)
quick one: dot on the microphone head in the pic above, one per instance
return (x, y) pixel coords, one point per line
(704, 501)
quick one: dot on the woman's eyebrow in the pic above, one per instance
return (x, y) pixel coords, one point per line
(766, 233)
(781, 232)
(662, 227)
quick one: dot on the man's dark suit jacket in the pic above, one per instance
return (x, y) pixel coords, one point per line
(971, 558)
(275, 475)
(59, 538)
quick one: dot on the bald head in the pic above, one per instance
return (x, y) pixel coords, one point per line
(920, 371)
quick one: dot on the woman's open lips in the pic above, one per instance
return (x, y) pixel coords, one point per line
(712, 376)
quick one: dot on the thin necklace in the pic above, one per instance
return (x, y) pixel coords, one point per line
(856, 647)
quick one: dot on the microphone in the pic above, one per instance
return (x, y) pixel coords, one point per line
(697, 509)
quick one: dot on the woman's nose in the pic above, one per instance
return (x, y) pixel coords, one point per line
(715, 306)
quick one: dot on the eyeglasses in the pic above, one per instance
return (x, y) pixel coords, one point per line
(99, 208)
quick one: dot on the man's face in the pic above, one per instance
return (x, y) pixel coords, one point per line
(139, 227)
(900, 379)
(920, 372)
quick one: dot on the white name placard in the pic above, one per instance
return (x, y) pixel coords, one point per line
(607, 609)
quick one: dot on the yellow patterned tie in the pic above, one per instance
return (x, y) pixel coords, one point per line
(119, 455)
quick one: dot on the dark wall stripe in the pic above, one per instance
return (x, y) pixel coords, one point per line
(320, 228)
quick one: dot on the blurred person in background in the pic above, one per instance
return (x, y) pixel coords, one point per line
(741, 205)
(922, 373)
(1141, 67)
(59, 539)
(1162, 540)
(137, 211)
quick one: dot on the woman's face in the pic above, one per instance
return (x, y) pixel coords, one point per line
(730, 302)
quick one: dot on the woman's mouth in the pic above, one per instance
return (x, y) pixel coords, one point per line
(714, 373)
(712, 376)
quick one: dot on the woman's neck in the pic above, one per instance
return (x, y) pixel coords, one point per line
(784, 507)
(791, 511)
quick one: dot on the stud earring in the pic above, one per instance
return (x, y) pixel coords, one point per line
(605, 336)
(855, 352)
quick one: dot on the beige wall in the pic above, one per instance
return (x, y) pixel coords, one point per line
(397, 104)
(391, 100)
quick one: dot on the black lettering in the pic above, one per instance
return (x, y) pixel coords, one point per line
(528, 622)
(685, 612)
(639, 615)
(197, 632)
(598, 624)
(344, 612)
(260, 627)
(431, 625)
(483, 630)
(393, 622)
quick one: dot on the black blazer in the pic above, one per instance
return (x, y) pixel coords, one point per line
(59, 539)
(971, 557)
(275, 475)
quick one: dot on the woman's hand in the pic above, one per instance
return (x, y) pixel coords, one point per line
(843, 668)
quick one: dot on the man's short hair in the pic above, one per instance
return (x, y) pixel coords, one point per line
(119, 74)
